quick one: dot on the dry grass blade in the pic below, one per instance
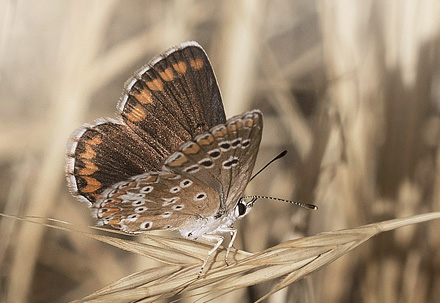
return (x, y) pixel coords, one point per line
(293, 259)
(340, 242)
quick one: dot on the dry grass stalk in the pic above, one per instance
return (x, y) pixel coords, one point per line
(292, 260)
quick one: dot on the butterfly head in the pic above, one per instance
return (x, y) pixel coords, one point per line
(243, 207)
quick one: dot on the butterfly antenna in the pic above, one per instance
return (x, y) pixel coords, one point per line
(303, 205)
(282, 154)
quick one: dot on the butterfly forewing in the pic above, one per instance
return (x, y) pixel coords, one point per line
(169, 101)
(101, 155)
(173, 99)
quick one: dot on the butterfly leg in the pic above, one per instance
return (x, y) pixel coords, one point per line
(233, 233)
(219, 239)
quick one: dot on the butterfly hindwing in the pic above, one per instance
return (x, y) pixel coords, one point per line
(153, 201)
(222, 158)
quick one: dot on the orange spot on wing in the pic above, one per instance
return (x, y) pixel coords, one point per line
(149, 180)
(92, 184)
(178, 162)
(249, 123)
(196, 64)
(115, 222)
(168, 176)
(232, 127)
(89, 153)
(110, 211)
(155, 84)
(95, 141)
(136, 114)
(89, 169)
(167, 74)
(112, 203)
(130, 185)
(123, 190)
(144, 96)
(220, 132)
(180, 67)
(206, 140)
(191, 150)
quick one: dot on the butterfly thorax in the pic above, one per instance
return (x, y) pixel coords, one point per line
(211, 225)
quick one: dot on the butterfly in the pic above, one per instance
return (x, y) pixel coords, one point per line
(171, 160)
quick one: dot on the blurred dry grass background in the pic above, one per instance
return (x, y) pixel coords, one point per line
(349, 88)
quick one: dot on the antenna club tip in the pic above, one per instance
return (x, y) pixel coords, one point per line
(311, 206)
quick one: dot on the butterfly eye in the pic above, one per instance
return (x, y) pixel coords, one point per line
(240, 209)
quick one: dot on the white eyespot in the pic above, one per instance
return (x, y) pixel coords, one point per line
(192, 169)
(186, 183)
(146, 189)
(231, 162)
(132, 218)
(206, 162)
(200, 196)
(174, 189)
(167, 227)
(225, 146)
(166, 214)
(236, 143)
(146, 225)
(245, 143)
(178, 207)
(138, 203)
(140, 209)
(132, 196)
(168, 201)
(215, 153)
(122, 184)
